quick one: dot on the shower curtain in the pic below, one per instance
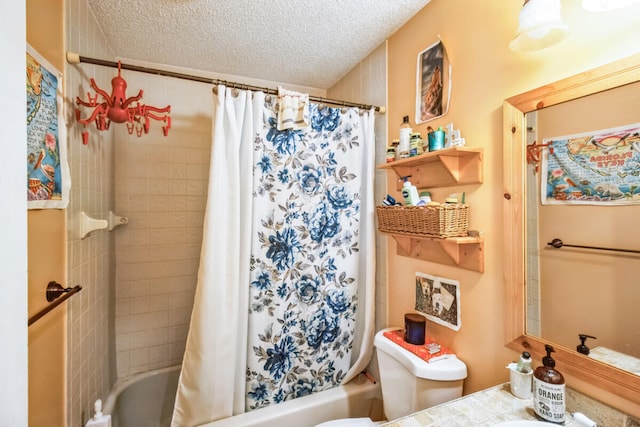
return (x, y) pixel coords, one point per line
(285, 295)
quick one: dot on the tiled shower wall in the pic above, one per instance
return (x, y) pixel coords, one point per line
(533, 323)
(161, 185)
(90, 261)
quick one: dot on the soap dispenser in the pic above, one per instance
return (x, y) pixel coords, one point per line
(582, 348)
(99, 419)
(409, 192)
(549, 390)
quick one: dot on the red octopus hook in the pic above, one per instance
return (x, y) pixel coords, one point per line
(116, 107)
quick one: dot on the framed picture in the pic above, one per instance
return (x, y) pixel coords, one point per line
(433, 83)
(592, 168)
(48, 179)
(439, 300)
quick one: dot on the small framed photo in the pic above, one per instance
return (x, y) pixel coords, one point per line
(439, 300)
(433, 83)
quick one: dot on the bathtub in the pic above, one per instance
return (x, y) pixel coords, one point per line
(146, 400)
(143, 400)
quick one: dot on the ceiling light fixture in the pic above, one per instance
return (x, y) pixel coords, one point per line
(605, 5)
(540, 26)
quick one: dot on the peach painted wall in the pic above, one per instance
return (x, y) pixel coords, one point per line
(485, 72)
(46, 254)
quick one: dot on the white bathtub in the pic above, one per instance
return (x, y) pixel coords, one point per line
(143, 400)
(146, 400)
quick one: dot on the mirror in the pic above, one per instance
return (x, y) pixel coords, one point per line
(573, 291)
(549, 101)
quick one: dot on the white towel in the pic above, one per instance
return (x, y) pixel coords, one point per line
(293, 109)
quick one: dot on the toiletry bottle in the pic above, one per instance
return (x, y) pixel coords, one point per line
(404, 146)
(395, 145)
(415, 144)
(582, 347)
(548, 390)
(524, 363)
(391, 154)
(436, 139)
(425, 198)
(409, 192)
(99, 419)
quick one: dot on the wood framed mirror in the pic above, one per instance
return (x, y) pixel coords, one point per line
(614, 75)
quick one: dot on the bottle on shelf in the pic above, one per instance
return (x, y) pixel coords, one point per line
(436, 139)
(415, 144)
(409, 192)
(404, 147)
(391, 154)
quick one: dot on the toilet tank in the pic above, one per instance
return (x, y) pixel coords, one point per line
(410, 384)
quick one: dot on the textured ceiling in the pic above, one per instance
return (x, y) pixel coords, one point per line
(304, 42)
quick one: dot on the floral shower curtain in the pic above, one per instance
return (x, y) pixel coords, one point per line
(288, 302)
(310, 216)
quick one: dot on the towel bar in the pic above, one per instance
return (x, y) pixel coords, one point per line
(54, 292)
(558, 243)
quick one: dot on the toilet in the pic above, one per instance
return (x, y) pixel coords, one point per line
(410, 384)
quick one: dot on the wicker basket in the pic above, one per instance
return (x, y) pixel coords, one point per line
(447, 220)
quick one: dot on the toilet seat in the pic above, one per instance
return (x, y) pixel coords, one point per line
(348, 422)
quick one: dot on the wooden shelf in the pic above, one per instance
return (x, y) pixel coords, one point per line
(463, 252)
(442, 168)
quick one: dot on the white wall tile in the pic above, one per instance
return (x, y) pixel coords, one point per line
(89, 261)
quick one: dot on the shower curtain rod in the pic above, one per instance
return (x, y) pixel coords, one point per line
(75, 58)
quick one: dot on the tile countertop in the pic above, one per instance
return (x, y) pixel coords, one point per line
(496, 404)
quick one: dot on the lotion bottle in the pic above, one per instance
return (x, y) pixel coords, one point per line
(524, 363)
(549, 390)
(404, 146)
(409, 192)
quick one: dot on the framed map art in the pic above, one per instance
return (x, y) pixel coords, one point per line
(600, 167)
(47, 180)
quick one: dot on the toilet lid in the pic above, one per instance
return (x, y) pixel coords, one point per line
(445, 369)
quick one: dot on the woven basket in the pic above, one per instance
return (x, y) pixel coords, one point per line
(447, 220)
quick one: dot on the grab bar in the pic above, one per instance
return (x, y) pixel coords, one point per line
(54, 292)
(557, 243)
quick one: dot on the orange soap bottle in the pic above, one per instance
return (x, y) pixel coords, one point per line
(549, 390)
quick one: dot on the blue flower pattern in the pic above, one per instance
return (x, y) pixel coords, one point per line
(304, 259)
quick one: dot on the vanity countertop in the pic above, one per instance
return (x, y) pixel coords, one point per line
(496, 404)
(617, 359)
